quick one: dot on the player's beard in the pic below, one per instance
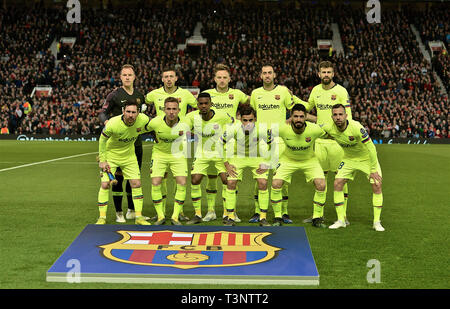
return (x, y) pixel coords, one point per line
(299, 125)
(130, 121)
(326, 81)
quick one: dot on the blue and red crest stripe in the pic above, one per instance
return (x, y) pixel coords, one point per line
(215, 257)
(366, 140)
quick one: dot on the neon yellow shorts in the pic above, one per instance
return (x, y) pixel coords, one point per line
(159, 166)
(329, 154)
(347, 169)
(252, 163)
(202, 165)
(287, 167)
(130, 169)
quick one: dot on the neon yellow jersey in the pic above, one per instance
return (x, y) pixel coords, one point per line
(300, 146)
(355, 141)
(241, 145)
(271, 106)
(323, 100)
(227, 101)
(120, 137)
(157, 97)
(208, 132)
(171, 140)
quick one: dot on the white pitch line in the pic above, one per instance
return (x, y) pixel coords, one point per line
(46, 161)
(53, 160)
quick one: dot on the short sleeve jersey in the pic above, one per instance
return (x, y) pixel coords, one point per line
(209, 131)
(253, 144)
(171, 140)
(227, 101)
(121, 137)
(271, 106)
(157, 96)
(300, 146)
(116, 100)
(352, 140)
(323, 100)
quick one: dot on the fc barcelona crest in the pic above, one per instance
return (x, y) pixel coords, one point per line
(308, 139)
(187, 250)
(277, 97)
(231, 96)
(333, 97)
(351, 138)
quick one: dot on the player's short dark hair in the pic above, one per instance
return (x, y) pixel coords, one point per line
(246, 109)
(131, 102)
(326, 64)
(298, 107)
(339, 105)
(168, 69)
(221, 67)
(127, 66)
(171, 99)
(204, 95)
(267, 64)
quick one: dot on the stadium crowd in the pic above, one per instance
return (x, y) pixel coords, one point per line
(393, 89)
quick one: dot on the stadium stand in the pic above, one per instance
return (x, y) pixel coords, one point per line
(393, 88)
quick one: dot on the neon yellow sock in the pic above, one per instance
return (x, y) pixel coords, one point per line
(196, 195)
(180, 196)
(138, 200)
(256, 196)
(231, 203)
(377, 201)
(164, 194)
(157, 201)
(339, 203)
(345, 198)
(103, 198)
(224, 198)
(211, 193)
(276, 199)
(285, 194)
(263, 197)
(319, 202)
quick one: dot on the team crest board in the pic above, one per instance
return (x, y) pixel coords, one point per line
(189, 254)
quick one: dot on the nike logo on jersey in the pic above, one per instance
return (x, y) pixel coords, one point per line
(123, 101)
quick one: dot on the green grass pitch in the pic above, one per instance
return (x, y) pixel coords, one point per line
(45, 206)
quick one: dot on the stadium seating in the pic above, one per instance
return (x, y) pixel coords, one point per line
(393, 89)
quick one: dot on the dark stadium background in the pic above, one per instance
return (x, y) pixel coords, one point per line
(395, 91)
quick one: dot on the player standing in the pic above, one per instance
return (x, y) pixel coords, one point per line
(228, 100)
(116, 150)
(271, 103)
(208, 125)
(156, 98)
(322, 98)
(299, 137)
(360, 154)
(113, 105)
(169, 153)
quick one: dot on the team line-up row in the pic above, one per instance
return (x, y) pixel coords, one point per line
(335, 143)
